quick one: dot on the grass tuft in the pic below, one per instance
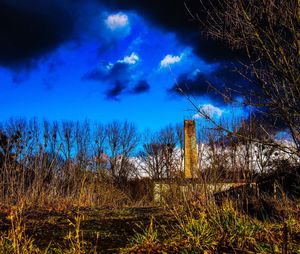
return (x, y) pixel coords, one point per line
(16, 241)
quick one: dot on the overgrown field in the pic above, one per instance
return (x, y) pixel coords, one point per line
(188, 228)
(71, 188)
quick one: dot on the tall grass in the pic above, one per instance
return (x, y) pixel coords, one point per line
(16, 240)
(220, 230)
(74, 238)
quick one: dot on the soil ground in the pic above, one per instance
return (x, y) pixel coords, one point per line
(107, 230)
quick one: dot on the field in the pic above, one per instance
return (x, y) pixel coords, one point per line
(191, 228)
(65, 190)
(101, 230)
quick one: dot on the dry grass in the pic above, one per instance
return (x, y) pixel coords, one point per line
(217, 230)
(16, 241)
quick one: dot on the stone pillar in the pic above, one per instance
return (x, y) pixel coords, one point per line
(190, 149)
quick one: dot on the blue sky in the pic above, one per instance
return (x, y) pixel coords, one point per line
(117, 63)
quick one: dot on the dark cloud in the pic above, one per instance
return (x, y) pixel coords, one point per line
(94, 75)
(120, 70)
(195, 85)
(20, 76)
(30, 29)
(114, 92)
(266, 116)
(141, 87)
(108, 72)
(116, 76)
(172, 15)
(222, 81)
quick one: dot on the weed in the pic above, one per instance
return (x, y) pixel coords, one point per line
(197, 233)
(221, 229)
(16, 241)
(145, 241)
(75, 238)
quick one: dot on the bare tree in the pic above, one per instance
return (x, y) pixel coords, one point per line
(180, 143)
(82, 141)
(98, 147)
(53, 138)
(268, 33)
(151, 160)
(122, 139)
(168, 141)
(67, 137)
(161, 156)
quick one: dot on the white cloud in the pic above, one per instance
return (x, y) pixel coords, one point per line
(117, 21)
(132, 59)
(210, 110)
(169, 60)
